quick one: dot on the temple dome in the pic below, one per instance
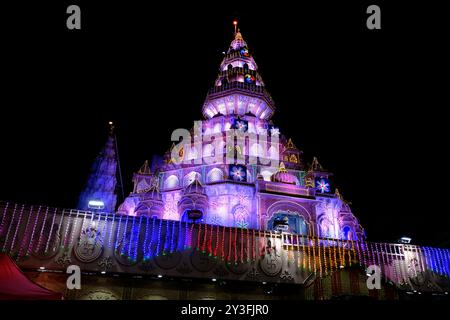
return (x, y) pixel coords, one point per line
(283, 176)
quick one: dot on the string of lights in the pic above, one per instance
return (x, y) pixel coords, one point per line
(41, 233)
(9, 228)
(30, 244)
(124, 236)
(136, 240)
(17, 229)
(119, 225)
(166, 238)
(172, 239)
(2, 223)
(158, 245)
(26, 233)
(144, 244)
(51, 232)
(132, 234)
(111, 228)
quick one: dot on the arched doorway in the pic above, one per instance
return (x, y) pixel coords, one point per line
(287, 221)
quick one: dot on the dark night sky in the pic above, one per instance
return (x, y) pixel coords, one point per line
(365, 102)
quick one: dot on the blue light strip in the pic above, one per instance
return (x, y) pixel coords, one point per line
(186, 236)
(166, 238)
(104, 229)
(150, 246)
(436, 260)
(444, 269)
(447, 260)
(158, 246)
(131, 238)
(180, 242)
(111, 231)
(425, 258)
(144, 246)
(440, 262)
(116, 245)
(432, 260)
(172, 240)
(124, 236)
(136, 240)
(97, 230)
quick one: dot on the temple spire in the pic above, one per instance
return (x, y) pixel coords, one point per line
(239, 88)
(100, 190)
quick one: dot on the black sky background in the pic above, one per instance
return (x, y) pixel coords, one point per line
(368, 104)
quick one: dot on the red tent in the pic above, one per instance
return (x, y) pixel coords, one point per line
(14, 285)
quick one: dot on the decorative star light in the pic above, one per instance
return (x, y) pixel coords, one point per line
(243, 199)
(248, 78)
(241, 125)
(323, 186)
(238, 174)
(215, 220)
(244, 52)
(275, 132)
(242, 224)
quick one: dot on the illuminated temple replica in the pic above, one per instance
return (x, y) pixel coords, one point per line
(217, 218)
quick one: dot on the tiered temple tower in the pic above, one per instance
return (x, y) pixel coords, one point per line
(250, 174)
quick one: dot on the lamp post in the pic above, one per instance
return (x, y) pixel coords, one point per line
(405, 240)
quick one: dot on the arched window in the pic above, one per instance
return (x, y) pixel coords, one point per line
(190, 177)
(257, 150)
(186, 218)
(142, 210)
(171, 182)
(230, 66)
(241, 217)
(273, 153)
(214, 175)
(347, 233)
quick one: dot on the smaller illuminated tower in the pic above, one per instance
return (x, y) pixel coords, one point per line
(102, 181)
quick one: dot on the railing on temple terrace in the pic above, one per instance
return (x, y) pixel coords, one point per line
(39, 236)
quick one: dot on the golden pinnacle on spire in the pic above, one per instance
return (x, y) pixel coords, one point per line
(235, 23)
(338, 194)
(290, 145)
(111, 127)
(316, 166)
(145, 169)
(238, 36)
